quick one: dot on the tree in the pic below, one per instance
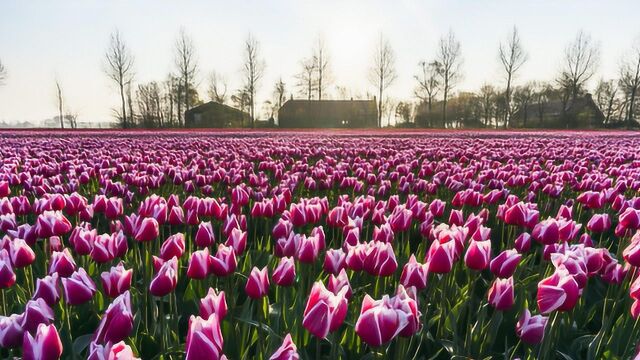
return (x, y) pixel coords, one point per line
(428, 84)
(512, 57)
(253, 72)
(3, 73)
(119, 68)
(581, 58)
(306, 80)
(60, 101)
(321, 65)
(383, 72)
(606, 97)
(448, 65)
(487, 98)
(241, 100)
(279, 90)
(522, 97)
(186, 62)
(404, 111)
(217, 88)
(630, 81)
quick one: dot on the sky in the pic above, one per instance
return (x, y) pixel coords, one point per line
(43, 40)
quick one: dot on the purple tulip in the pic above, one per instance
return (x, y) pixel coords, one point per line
(166, 279)
(213, 303)
(258, 283)
(204, 339)
(117, 322)
(116, 281)
(78, 288)
(46, 344)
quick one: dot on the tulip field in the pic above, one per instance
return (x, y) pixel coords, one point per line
(319, 245)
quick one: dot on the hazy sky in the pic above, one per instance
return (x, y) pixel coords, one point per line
(42, 40)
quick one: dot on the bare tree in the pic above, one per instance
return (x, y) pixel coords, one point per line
(487, 97)
(185, 60)
(606, 97)
(581, 58)
(449, 64)
(512, 56)
(119, 68)
(428, 85)
(278, 91)
(3, 73)
(60, 102)
(630, 81)
(522, 96)
(321, 62)
(253, 71)
(383, 72)
(306, 81)
(217, 88)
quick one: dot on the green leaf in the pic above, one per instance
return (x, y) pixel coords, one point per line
(81, 343)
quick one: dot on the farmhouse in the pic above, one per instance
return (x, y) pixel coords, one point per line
(583, 113)
(328, 114)
(215, 115)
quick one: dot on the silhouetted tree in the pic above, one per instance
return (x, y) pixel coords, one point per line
(306, 81)
(522, 97)
(606, 97)
(448, 65)
(119, 68)
(253, 71)
(60, 102)
(487, 98)
(217, 88)
(186, 62)
(242, 100)
(321, 65)
(581, 58)
(512, 57)
(279, 90)
(630, 81)
(3, 73)
(428, 85)
(383, 72)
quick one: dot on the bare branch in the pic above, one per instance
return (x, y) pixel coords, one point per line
(119, 68)
(383, 72)
(253, 69)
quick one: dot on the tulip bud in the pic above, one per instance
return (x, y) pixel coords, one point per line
(78, 288)
(198, 264)
(47, 289)
(522, 243)
(21, 254)
(286, 351)
(379, 322)
(7, 276)
(224, 262)
(334, 260)
(36, 312)
(325, 311)
(238, 240)
(337, 283)
(51, 223)
(117, 322)
(62, 262)
(501, 294)
(118, 351)
(11, 331)
(380, 259)
(478, 255)
(166, 278)
(258, 283)
(147, 230)
(116, 281)
(285, 272)
(45, 346)
(599, 223)
(440, 257)
(173, 246)
(505, 264)
(204, 236)
(414, 274)
(204, 339)
(213, 303)
(560, 292)
(530, 329)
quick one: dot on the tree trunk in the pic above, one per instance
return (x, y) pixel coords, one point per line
(124, 107)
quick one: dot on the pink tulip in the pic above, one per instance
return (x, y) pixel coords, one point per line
(51, 223)
(630, 219)
(547, 231)
(501, 294)
(21, 254)
(530, 329)
(118, 351)
(213, 303)
(285, 272)
(505, 264)
(204, 339)
(103, 249)
(380, 259)
(113, 208)
(258, 283)
(147, 230)
(286, 351)
(11, 331)
(379, 321)
(238, 240)
(81, 239)
(198, 264)
(308, 249)
(176, 216)
(204, 236)
(325, 311)
(599, 223)
(478, 255)
(166, 278)
(36, 312)
(116, 281)
(560, 292)
(47, 289)
(62, 262)
(334, 260)
(45, 346)
(337, 283)
(7, 276)
(522, 244)
(117, 322)
(173, 246)
(224, 262)
(632, 252)
(78, 288)
(440, 257)
(282, 229)
(414, 274)
(437, 207)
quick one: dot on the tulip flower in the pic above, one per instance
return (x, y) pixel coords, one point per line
(547, 231)
(46, 344)
(285, 272)
(505, 264)
(213, 303)
(78, 288)
(176, 216)
(530, 329)
(113, 208)
(117, 322)
(501, 294)
(81, 239)
(560, 292)
(166, 278)
(116, 281)
(325, 311)
(440, 257)
(11, 331)
(414, 274)
(337, 283)
(224, 262)
(380, 259)
(282, 229)
(173, 246)
(258, 283)
(118, 351)
(204, 339)
(204, 236)
(522, 244)
(51, 223)
(147, 230)
(7, 276)
(334, 260)
(599, 223)
(21, 253)
(238, 240)
(379, 321)
(36, 312)
(630, 218)
(286, 351)
(47, 289)
(199, 264)
(632, 252)
(478, 255)
(288, 246)
(103, 249)
(308, 249)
